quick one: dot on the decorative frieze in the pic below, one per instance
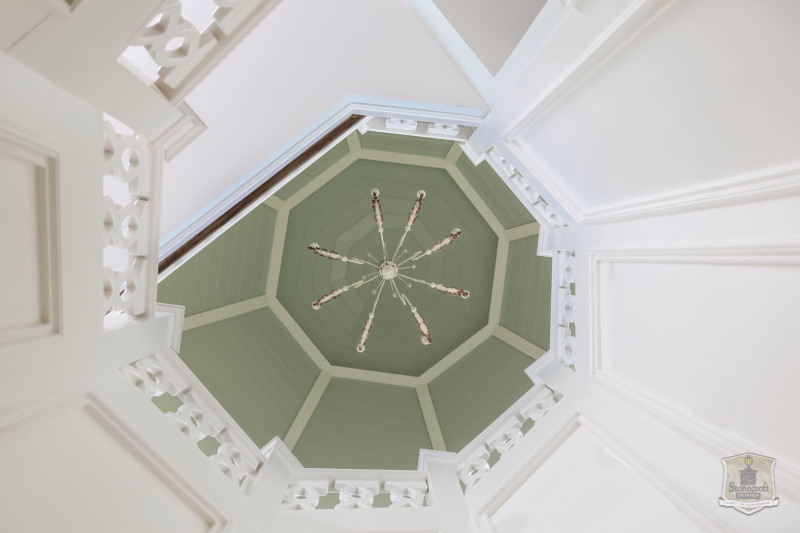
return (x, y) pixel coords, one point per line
(563, 319)
(476, 460)
(198, 417)
(356, 489)
(128, 162)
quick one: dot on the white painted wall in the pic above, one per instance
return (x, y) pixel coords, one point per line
(492, 29)
(685, 96)
(304, 59)
(583, 486)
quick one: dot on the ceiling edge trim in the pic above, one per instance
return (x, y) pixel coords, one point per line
(499, 282)
(520, 232)
(431, 420)
(307, 409)
(226, 311)
(515, 341)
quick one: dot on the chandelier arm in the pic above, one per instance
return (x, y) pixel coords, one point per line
(338, 292)
(455, 291)
(368, 326)
(423, 328)
(439, 245)
(412, 217)
(376, 208)
(336, 256)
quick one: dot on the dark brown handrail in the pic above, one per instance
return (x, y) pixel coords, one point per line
(259, 191)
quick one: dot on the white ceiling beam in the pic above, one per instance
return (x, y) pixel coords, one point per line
(274, 202)
(431, 421)
(226, 311)
(306, 410)
(456, 355)
(300, 336)
(515, 341)
(276, 253)
(402, 159)
(499, 282)
(384, 378)
(520, 232)
(454, 153)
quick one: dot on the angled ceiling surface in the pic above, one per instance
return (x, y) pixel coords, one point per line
(254, 340)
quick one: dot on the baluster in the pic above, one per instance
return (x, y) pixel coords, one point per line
(356, 494)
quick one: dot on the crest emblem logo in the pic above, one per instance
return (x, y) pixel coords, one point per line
(748, 484)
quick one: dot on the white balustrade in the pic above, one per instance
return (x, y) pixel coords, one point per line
(357, 489)
(503, 167)
(475, 461)
(199, 415)
(129, 226)
(183, 52)
(563, 319)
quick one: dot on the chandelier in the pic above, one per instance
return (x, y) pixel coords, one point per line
(389, 271)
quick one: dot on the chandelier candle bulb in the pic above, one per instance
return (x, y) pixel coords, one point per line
(388, 270)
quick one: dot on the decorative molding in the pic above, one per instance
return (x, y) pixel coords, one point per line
(431, 420)
(502, 435)
(43, 161)
(181, 133)
(306, 410)
(356, 488)
(418, 128)
(778, 182)
(226, 311)
(562, 301)
(200, 415)
(523, 345)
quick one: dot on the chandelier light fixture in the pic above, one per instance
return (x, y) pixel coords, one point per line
(389, 270)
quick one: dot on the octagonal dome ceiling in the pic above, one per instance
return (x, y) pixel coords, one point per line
(281, 368)
(339, 216)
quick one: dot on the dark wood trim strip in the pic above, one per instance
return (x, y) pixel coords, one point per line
(254, 196)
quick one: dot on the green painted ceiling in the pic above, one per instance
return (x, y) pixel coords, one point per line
(338, 216)
(257, 363)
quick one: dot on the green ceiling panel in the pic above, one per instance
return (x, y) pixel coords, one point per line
(491, 188)
(339, 216)
(476, 390)
(405, 144)
(254, 368)
(526, 296)
(359, 424)
(317, 167)
(230, 269)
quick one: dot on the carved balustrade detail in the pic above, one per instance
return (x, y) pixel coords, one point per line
(198, 416)
(183, 52)
(357, 489)
(476, 460)
(128, 226)
(563, 319)
(503, 167)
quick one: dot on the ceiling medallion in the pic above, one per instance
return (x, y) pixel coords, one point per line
(388, 270)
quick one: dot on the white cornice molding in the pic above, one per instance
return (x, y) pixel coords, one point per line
(433, 455)
(177, 312)
(776, 182)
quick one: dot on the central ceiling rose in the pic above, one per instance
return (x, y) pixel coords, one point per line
(388, 270)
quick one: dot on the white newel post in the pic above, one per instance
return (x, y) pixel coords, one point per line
(445, 492)
(265, 496)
